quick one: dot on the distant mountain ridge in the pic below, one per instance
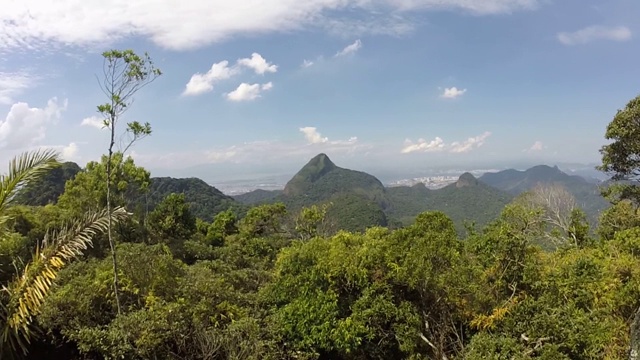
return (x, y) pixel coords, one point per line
(516, 181)
(586, 193)
(359, 199)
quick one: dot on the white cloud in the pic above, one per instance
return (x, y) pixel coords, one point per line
(423, 145)
(202, 83)
(395, 24)
(12, 84)
(480, 7)
(258, 64)
(93, 121)
(593, 33)
(469, 144)
(306, 63)
(453, 92)
(312, 135)
(254, 152)
(438, 145)
(350, 49)
(247, 92)
(220, 156)
(24, 126)
(537, 146)
(70, 152)
(32, 24)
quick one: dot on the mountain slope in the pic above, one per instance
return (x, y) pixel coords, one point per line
(205, 201)
(468, 199)
(320, 180)
(516, 182)
(586, 193)
(50, 187)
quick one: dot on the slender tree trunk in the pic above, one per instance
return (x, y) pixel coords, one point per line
(112, 245)
(634, 350)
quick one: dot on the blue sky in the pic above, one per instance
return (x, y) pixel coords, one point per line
(259, 87)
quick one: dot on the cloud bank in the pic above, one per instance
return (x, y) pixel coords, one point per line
(439, 145)
(593, 33)
(36, 24)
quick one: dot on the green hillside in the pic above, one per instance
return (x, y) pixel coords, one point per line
(320, 179)
(466, 200)
(354, 212)
(47, 189)
(205, 201)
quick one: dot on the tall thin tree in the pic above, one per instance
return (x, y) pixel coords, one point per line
(124, 73)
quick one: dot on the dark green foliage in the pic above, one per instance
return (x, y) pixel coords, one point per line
(205, 201)
(172, 219)
(622, 215)
(223, 225)
(621, 158)
(87, 190)
(50, 187)
(353, 212)
(264, 220)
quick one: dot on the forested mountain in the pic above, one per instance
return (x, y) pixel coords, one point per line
(320, 179)
(587, 193)
(360, 200)
(516, 181)
(205, 201)
(47, 189)
(467, 200)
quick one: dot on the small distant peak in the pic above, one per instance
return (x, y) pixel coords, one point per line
(466, 179)
(319, 165)
(542, 168)
(419, 185)
(322, 160)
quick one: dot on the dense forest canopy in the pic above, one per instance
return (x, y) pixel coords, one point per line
(120, 265)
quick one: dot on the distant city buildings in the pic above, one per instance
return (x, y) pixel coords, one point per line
(431, 182)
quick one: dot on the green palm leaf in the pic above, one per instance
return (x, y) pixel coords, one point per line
(25, 168)
(28, 291)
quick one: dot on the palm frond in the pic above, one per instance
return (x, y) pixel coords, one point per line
(27, 292)
(23, 169)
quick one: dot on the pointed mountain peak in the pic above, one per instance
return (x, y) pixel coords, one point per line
(321, 161)
(310, 173)
(466, 179)
(545, 173)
